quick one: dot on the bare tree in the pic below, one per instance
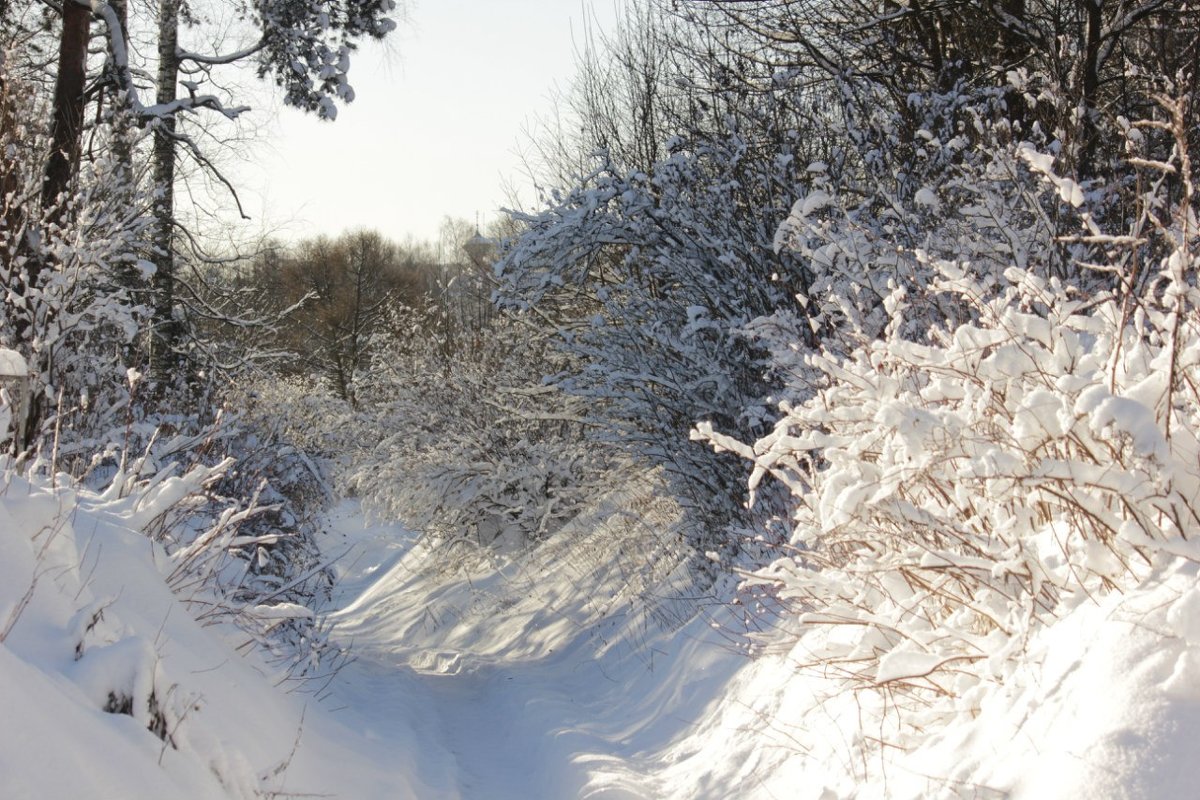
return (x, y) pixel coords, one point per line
(344, 291)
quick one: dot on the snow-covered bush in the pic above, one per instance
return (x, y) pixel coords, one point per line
(469, 445)
(308, 415)
(90, 624)
(235, 503)
(78, 326)
(875, 219)
(953, 493)
(651, 277)
(75, 277)
(643, 279)
(236, 510)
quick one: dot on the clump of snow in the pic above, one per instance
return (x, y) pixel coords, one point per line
(1068, 190)
(12, 364)
(13, 372)
(928, 198)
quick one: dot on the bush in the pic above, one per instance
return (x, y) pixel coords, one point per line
(469, 447)
(237, 506)
(950, 495)
(642, 281)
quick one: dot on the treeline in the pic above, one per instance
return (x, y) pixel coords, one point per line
(333, 300)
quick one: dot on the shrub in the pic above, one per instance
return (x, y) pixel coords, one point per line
(950, 495)
(469, 445)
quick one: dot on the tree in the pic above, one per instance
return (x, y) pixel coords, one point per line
(1071, 69)
(58, 238)
(342, 292)
(67, 129)
(51, 244)
(304, 46)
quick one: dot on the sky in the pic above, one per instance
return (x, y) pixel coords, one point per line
(441, 115)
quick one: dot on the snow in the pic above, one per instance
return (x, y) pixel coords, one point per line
(1125, 415)
(1069, 191)
(814, 201)
(506, 680)
(100, 619)
(902, 663)
(1102, 706)
(533, 687)
(12, 364)
(927, 198)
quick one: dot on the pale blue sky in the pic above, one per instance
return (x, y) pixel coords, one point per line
(436, 126)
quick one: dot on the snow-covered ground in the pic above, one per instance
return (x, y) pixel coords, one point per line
(540, 677)
(534, 688)
(507, 681)
(87, 622)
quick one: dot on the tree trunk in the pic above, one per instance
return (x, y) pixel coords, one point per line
(67, 129)
(1090, 86)
(123, 122)
(13, 212)
(124, 134)
(164, 363)
(66, 135)
(1014, 51)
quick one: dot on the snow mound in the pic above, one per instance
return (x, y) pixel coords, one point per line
(112, 689)
(1105, 703)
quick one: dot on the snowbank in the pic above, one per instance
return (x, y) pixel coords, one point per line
(1105, 703)
(112, 690)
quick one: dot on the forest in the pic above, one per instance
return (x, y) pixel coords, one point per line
(858, 338)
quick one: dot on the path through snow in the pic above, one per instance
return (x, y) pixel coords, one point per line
(533, 685)
(505, 689)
